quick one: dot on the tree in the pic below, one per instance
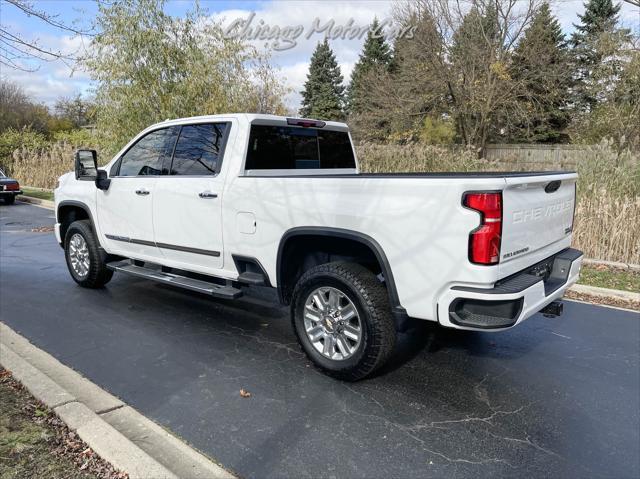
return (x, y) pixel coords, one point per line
(618, 118)
(376, 55)
(479, 61)
(149, 66)
(323, 94)
(17, 111)
(541, 67)
(78, 111)
(401, 97)
(596, 44)
(455, 68)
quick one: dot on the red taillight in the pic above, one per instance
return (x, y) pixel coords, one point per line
(484, 241)
(13, 186)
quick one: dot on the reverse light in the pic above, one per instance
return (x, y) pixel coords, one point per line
(484, 241)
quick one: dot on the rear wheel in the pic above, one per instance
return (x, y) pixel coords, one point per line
(341, 316)
(86, 260)
(9, 200)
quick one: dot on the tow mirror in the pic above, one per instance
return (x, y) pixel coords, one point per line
(86, 165)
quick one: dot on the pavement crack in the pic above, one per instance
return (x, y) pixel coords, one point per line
(409, 432)
(527, 441)
(486, 420)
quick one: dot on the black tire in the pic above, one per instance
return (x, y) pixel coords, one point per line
(370, 298)
(98, 274)
(9, 200)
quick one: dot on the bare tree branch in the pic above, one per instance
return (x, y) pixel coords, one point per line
(29, 9)
(31, 49)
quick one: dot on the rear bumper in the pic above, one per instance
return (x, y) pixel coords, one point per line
(10, 193)
(513, 299)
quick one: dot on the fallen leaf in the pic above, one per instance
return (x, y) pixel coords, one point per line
(42, 229)
(245, 394)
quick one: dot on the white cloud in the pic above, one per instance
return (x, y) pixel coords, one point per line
(52, 79)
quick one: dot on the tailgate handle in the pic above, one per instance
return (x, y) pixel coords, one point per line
(552, 186)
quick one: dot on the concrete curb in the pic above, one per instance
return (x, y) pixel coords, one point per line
(116, 432)
(605, 292)
(612, 264)
(36, 201)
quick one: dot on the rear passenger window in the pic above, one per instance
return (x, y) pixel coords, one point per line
(146, 156)
(298, 148)
(199, 148)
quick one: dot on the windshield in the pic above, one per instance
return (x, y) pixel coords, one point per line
(2, 175)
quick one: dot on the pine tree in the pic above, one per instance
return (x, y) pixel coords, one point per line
(596, 43)
(541, 70)
(375, 54)
(599, 16)
(323, 94)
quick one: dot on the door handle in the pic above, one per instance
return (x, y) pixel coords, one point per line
(207, 194)
(142, 192)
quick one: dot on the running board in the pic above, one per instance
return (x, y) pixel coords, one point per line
(213, 289)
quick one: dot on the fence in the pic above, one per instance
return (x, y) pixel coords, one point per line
(536, 155)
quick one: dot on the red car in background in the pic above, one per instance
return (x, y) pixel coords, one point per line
(9, 189)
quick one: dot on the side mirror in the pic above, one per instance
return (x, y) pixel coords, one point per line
(102, 180)
(86, 165)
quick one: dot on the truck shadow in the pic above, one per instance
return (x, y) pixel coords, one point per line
(421, 339)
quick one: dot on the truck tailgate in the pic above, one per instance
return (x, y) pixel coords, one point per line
(537, 219)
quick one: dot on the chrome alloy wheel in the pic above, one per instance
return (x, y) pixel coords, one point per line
(79, 255)
(332, 323)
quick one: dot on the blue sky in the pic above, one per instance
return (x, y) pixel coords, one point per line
(55, 79)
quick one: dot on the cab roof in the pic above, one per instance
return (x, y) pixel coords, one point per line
(251, 118)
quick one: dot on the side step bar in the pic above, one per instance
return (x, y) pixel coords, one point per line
(213, 289)
(255, 279)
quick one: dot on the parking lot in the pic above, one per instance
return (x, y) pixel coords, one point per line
(552, 397)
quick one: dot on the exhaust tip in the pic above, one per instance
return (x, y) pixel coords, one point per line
(553, 309)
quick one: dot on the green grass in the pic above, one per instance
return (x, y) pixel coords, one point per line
(610, 278)
(43, 195)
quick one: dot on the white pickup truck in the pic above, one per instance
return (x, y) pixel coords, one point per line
(217, 203)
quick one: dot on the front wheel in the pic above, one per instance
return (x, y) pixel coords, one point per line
(86, 260)
(342, 318)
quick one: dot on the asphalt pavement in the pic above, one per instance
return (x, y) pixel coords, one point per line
(551, 397)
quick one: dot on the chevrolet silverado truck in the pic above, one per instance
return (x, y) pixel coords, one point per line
(216, 204)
